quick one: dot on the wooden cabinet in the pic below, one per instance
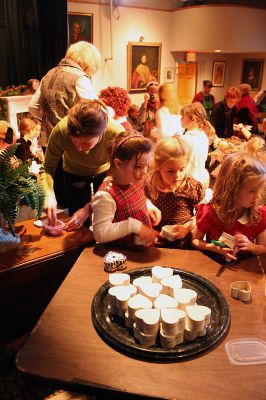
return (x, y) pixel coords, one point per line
(30, 276)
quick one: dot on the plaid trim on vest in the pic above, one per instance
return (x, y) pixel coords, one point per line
(130, 202)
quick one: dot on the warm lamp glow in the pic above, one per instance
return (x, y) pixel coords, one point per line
(191, 57)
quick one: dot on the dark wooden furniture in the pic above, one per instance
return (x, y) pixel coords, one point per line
(30, 276)
(66, 351)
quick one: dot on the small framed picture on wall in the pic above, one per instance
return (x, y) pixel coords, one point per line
(218, 73)
(80, 27)
(169, 75)
(252, 73)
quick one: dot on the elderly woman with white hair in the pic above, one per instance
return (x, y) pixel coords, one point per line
(64, 85)
(60, 89)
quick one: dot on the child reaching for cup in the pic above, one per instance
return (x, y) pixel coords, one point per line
(234, 209)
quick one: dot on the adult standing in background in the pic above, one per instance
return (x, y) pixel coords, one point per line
(61, 88)
(246, 111)
(168, 122)
(149, 107)
(223, 114)
(206, 98)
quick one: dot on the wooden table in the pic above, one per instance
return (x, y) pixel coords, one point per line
(30, 276)
(65, 350)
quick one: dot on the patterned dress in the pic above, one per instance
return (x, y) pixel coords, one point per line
(177, 207)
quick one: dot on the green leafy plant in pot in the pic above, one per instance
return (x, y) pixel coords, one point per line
(16, 185)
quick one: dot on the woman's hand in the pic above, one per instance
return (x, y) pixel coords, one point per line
(147, 236)
(78, 218)
(51, 209)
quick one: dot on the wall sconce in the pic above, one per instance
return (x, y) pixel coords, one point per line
(191, 57)
(141, 39)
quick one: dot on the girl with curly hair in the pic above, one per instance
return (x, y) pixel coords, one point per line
(118, 99)
(235, 209)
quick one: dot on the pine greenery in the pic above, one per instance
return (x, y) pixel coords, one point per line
(17, 184)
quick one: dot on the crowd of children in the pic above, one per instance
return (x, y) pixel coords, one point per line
(158, 176)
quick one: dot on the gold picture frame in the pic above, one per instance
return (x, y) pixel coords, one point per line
(252, 72)
(80, 27)
(218, 73)
(143, 65)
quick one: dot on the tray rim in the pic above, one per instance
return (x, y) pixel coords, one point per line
(160, 354)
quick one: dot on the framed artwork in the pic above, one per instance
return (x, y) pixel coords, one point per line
(218, 73)
(80, 27)
(252, 72)
(169, 75)
(143, 65)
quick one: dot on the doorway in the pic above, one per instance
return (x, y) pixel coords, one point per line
(186, 82)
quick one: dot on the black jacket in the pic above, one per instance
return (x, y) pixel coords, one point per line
(222, 118)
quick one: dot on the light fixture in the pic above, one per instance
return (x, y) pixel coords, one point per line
(190, 56)
(217, 51)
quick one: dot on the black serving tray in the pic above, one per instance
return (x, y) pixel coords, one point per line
(113, 330)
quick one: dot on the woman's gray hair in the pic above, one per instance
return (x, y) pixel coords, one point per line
(86, 55)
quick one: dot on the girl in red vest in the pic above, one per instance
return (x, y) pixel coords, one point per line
(120, 208)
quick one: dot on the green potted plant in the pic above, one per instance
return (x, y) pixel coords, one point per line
(16, 184)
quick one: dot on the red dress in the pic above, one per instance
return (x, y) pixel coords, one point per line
(209, 224)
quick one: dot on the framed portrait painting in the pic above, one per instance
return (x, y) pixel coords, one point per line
(80, 27)
(218, 73)
(169, 75)
(252, 72)
(143, 65)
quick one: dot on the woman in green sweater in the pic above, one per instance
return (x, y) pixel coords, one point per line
(83, 139)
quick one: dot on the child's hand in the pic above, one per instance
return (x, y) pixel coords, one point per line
(228, 253)
(243, 242)
(78, 218)
(180, 231)
(147, 236)
(155, 215)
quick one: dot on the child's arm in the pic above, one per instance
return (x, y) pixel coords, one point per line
(154, 213)
(245, 244)
(200, 244)
(105, 230)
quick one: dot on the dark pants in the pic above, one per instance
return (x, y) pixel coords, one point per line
(78, 190)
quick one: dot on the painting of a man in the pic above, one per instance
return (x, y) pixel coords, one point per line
(142, 74)
(77, 34)
(144, 65)
(252, 73)
(80, 27)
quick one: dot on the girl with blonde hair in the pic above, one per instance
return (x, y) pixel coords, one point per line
(194, 120)
(235, 208)
(171, 190)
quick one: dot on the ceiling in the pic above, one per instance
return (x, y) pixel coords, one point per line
(172, 5)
